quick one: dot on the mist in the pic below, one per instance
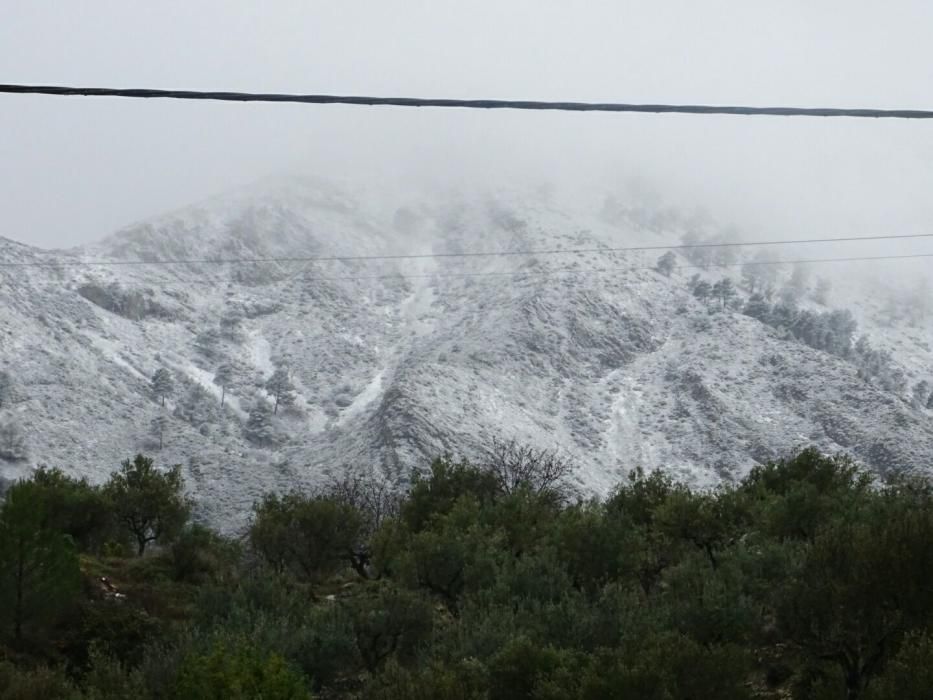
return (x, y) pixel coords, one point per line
(73, 170)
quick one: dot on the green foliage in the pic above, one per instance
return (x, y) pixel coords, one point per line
(312, 537)
(41, 683)
(108, 679)
(668, 667)
(435, 495)
(389, 623)
(807, 580)
(523, 669)
(239, 672)
(76, 508)
(463, 680)
(909, 675)
(861, 585)
(147, 502)
(39, 574)
(200, 555)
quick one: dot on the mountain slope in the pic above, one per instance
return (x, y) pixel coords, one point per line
(618, 369)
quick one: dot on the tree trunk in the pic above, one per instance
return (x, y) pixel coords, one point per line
(18, 611)
(141, 546)
(223, 394)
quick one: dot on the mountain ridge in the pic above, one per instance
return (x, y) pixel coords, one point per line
(396, 361)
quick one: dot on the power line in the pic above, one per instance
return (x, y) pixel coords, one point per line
(423, 256)
(471, 104)
(590, 271)
(572, 271)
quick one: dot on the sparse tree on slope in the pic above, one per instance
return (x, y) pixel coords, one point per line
(222, 378)
(259, 428)
(760, 273)
(281, 388)
(162, 384)
(724, 291)
(148, 502)
(12, 441)
(702, 291)
(6, 389)
(921, 393)
(821, 293)
(158, 426)
(666, 264)
(757, 307)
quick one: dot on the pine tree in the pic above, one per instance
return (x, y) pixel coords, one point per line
(702, 290)
(666, 264)
(158, 426)
(12, 441)
(259, 428)
(6, 388)
(281, 388)
(799, 279)
(724, 291)
(222, 378)
(921, 392)
(821, 293)
(757, 307)
(162, 384)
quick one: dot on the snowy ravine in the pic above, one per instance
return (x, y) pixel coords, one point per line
(617, 369)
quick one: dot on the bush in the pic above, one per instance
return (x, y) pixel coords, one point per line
(239, 672)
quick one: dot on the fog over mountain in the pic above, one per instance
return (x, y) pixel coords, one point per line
(396, 360)
(392, 362)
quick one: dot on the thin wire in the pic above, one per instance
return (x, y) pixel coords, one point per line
(608, 270)
(470, 104)
(422, 256)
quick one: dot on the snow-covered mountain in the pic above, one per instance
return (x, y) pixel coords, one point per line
(396, 361)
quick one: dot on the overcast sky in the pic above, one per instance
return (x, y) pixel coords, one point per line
(74, 169)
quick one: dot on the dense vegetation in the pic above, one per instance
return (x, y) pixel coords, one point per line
(808, 579)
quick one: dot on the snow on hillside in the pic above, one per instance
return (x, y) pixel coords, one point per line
(618, 368)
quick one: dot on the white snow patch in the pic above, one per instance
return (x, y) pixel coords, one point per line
(260, 352)
(364, 398)
(206, 380)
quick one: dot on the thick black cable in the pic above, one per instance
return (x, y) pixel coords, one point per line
(471, 104)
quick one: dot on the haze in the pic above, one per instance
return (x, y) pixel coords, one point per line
(74, 169)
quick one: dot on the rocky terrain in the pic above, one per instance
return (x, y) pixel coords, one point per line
(394, 361)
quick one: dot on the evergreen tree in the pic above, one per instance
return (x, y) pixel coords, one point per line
(921, 393)
(800, 278)
(280, 386)
(723, 290)
(39, 573)
(162, 384)
(158, 426)
(207, 342)
(821, 293)
(222, 378)
(666, 263)
(6, 388)
(702, 291)
(259, 428)
(12, 441)
(197, 406)
(760, 273)
(149, 503)
(757, 307)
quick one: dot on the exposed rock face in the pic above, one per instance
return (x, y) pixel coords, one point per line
(618, 368)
